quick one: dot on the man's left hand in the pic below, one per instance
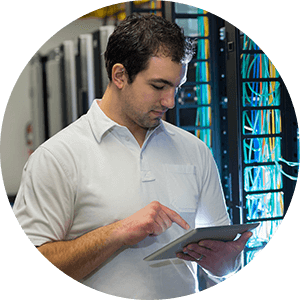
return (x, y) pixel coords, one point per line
(219, 258)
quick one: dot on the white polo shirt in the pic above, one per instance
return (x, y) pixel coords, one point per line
(94, 173)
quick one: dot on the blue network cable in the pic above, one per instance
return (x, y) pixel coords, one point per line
(203, 91)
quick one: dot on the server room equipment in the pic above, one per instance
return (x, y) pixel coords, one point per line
(38, 112)
(263, 139)
(229, 79)
(100, 39)
(61, 87)
(65, 82)
(236, 102)
(85, 73)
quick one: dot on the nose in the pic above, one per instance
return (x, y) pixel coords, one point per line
(168, 99)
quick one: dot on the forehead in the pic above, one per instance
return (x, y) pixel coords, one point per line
(161, 67)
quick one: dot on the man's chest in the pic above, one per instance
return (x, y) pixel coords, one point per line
(117, 182)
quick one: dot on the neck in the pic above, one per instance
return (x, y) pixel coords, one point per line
(110, 105)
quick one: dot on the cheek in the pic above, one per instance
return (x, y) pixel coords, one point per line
(150, 98)
(146, 100)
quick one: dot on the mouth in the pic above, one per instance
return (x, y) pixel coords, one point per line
(159, 113)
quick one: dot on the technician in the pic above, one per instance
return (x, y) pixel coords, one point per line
(119, 183)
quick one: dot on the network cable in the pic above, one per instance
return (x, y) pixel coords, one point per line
(256, 122)
(203, 90)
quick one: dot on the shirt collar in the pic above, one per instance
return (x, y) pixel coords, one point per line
(99, 122)
(102, 124)
(167, 128)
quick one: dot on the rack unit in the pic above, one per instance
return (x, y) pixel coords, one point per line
(263, 139)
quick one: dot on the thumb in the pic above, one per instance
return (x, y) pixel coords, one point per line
(243, 239)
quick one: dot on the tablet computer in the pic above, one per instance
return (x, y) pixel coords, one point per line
(220, 233)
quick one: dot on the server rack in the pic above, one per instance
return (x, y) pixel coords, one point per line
(197, 107)
(85, 73)
(100, 39)
(60, 87)
(262, 138)
(38, 107)
(98, 64)
(55, 86)
(91, 73)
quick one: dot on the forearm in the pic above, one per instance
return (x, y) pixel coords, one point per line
(79, 257)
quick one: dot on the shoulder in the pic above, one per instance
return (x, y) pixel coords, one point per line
(69, 140)
(182, 136)
(66, 147)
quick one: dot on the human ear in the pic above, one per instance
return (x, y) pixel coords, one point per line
(118, 75)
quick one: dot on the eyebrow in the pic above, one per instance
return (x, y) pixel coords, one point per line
(161, 80)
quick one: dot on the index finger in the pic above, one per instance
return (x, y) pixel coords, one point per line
(175, 217)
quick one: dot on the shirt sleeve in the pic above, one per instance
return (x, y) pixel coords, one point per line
(212, 208)
(45, 202)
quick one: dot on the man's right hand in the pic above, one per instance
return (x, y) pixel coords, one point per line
(152, 220)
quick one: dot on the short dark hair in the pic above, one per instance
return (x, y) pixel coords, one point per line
(139, 37)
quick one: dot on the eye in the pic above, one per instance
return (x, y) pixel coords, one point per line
(158, 87)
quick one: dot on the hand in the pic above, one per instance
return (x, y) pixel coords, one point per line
(153, 219)
(219, 258)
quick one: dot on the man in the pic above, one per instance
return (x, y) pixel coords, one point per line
(120, 183)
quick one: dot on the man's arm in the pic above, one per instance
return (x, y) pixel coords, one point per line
(79, 257)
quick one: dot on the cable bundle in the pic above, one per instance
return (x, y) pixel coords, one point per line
(203, 91)
(264, 153)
